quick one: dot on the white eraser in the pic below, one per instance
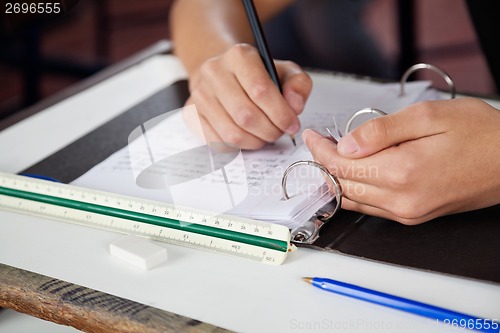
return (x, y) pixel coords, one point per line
(138, 251)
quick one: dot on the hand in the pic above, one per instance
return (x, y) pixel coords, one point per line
(430, 159)
(238, 103)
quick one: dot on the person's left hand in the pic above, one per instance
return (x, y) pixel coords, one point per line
(430, 159)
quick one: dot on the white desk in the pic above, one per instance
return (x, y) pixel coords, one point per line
(225, 291)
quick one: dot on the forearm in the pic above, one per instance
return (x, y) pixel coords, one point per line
(202, 29)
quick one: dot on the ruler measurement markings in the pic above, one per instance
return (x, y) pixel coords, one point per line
(139, 217)
(245, 237)
(200, 243)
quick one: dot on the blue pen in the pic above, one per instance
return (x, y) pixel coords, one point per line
(32, 175)
(452, 318)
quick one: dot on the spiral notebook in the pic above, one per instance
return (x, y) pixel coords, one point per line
(465, 244)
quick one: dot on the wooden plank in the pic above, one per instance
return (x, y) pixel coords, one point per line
(87, 309)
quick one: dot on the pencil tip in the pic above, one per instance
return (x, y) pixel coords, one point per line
(307, 279)
(293, 140)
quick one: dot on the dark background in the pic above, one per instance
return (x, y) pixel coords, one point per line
(52, 54)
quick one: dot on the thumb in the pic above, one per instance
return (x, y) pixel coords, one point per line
(414, 122)
(296, 84)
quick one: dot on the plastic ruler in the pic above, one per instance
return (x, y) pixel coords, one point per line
(256, 240)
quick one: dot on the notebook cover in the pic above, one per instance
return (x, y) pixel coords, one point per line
(465, 244)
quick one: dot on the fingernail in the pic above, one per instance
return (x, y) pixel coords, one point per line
(347, 145)
(293, 129)
(296, 102)
(309, 132)
(305, 133)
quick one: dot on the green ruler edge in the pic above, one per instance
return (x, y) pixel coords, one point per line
(268, 243)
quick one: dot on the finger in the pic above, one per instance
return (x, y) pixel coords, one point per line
(209, 109)
(376, 211)
(376, 197)
(262, 91)
(368, 170)
(296, 84)
(416, 121)
(244, 113)
(363, 193)
(198, 124)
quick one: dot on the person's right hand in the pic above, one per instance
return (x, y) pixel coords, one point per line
(238, 103)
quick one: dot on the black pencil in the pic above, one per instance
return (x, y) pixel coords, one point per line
(262, 46)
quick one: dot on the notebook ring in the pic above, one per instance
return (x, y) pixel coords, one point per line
(436, 69)
(360, 112)
(333, 179)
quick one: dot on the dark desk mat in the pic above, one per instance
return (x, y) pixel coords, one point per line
(463, 244)
(466, 244)
(81, 155)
